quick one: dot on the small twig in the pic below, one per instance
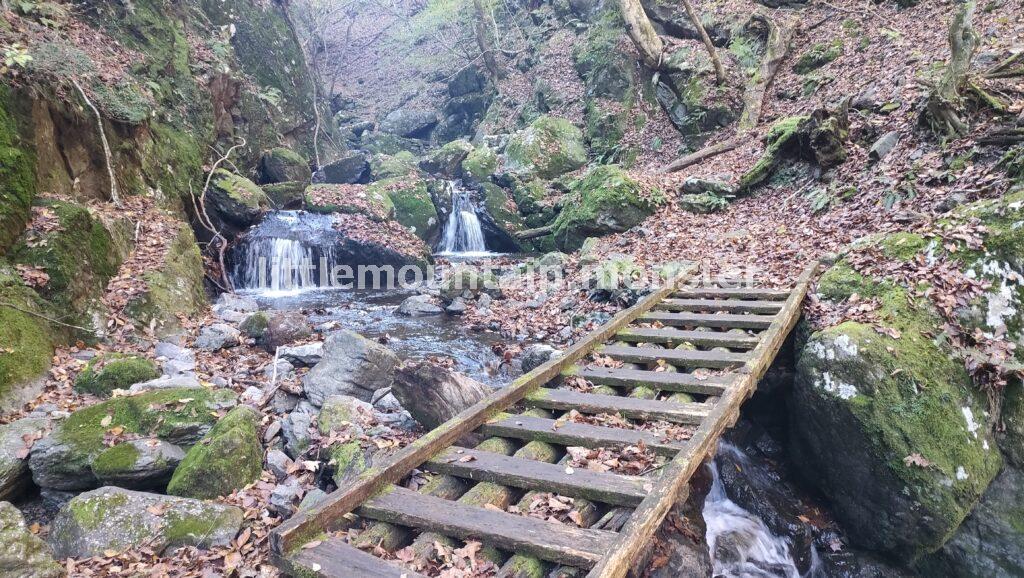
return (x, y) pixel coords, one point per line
(50, 319)
(274, 386)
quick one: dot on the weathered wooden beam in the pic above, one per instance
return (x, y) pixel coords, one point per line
(634, 378)
(546, 540)
(333, 557)
(673, 337)
(716, 320)
(678, 357)
(727, 305)
(577, 434)
(475, 465)
(731, 293)
(643, 409)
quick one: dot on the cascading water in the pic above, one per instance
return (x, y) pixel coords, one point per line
(740, 543)
(283, 253)
(462, 233)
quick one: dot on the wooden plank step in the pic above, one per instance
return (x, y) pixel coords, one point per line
(674, 337)
(576, 434)
(718, 320)
(334, 558)
(662, 380)
(561, 543)
(645, 409)
(731, 293)
(680, 357)
(481, 466)
(729, 305)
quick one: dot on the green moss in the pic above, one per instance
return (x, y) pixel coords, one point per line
(116, 372)
(347, 459)
(376, 204)
(1013, 163)
(400, 164)
(174, 289)
(26, 342)
(255, 325)
(607, 71)
(227, 459)
(605, 200)
(17, 175)
(448, 159)
(501, 209)
(412, 205)
(481, 163)
(605, 129)
(116, 460)
(286, 194)
(240, 189)
(91, 512)
(549, 147)
(817, 56)
(779, 137)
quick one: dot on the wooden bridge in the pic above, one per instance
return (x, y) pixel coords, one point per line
(689, 357)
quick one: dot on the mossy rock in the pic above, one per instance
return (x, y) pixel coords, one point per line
(22, 553)
(255, 326)
(480, 164)
(138, 464)
(279, 165)
(107, 372)
(606, 70)
(549, 147)
(818, 55)
(286, 195)
(891, 430)
(27, 339)
(369, 200)
(447, 160)
(606, 126)
(400, 164)
(227, 459)
(702, 203)
(501, 208)
(781, 137)
(462, 279)
(377, 142)
(173, 289)
(410, 197)
(17, 175)
(79, 256)
(606, 200)
(181, 416)
(234, 199)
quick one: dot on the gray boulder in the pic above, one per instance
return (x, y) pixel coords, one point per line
(234, 302)
(217, 336)
(23, 554)
(353, 167)
(143, 464)
(295, 429)
(306, 355)
(536, 355)
(116, 519)
(418, 306)
(351, 365)
(16, 439)
(884, 145)
(167, 382)
(409, 123)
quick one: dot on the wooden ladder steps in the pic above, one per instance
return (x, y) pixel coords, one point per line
(569, 433)
(678, 357)
(481, 466)
(660, 380)
(551, 541)
(731, 293)
(673, 337)
(636, 408)
(715, 320)
(730, 305)
(334, 557)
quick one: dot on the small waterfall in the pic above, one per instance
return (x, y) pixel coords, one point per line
(281, 254)
(740, 543)
(462, 232)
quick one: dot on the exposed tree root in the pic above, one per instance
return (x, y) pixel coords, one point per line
(780, 35)
(942, 110)
(115, 197)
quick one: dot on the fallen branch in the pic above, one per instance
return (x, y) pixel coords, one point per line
(701, 155)
(50, 319)
(1003, 70)
(534, 233)
(204, 217)
(780, 35)
(115, 197)
(719, 71)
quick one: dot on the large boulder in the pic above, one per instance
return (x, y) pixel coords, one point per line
(16, 439)
(548, 148)
(279, 165)
(409, 123)
(63, 460)
(434, 393)
(414, 208)
(275, 329)
(353, 167)
(233, 202)
(227, 459)
(345, 417)
(369, 201)
(107, 372)
(117, 519)
(605, 201)
(172, 290)
(22, 553)
(351, 365)
(27, 339)
(888, 424)
(447, 160)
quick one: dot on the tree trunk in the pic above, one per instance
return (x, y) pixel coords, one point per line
(719, 71)
(944, 102)
(779, 37)
(484, 43)
(642, 33)
(433, 394)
